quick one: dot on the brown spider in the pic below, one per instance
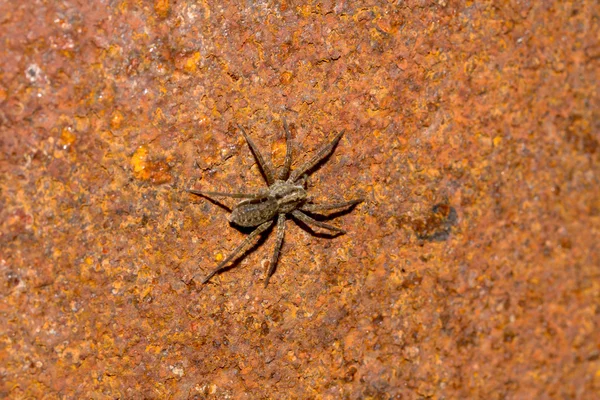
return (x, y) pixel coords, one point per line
(285, 195)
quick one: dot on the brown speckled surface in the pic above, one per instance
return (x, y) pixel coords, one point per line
(472, 129)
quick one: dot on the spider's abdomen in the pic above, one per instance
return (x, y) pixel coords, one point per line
(248, 214)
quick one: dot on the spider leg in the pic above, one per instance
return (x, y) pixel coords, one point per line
(278, 243)
(241, 246)
(259, 195)
(331, 206)
(302, 181)
(321, 154)
(268, 174)
(285, 172)
(313, 222)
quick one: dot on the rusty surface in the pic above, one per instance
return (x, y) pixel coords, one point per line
(472, 128)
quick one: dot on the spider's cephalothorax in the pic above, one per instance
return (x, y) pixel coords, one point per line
(282, 197)
(286, 195)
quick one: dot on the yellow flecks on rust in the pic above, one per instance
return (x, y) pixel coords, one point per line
(376, 113)
(117, 285)
(376, 35)
(158, 116)
(82, 123)
(116, 119)
(123, 6)
(383, 96)
(107, 342)
(286, 77)
(153, 349)
(86, 272)
(363, 14)
(115, 50)
(278, 150)
(433, 173)
(145, 291)
(343, 254)
(139, 37)
(67, 54)
(67, 137)
(384, 25)
(191, 63)
(145, 169)
(143, 283)
(305, 10)
(162, 8)
(219, 257)
(139, 162)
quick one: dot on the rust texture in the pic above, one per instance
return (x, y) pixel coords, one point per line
(471, 271)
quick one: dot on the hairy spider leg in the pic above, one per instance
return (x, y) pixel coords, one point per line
(311, 221)
(253, 196)
(236, 251)
(268, 174)
(321, 154)
(310, 207)
(278, 243)
(287, 164)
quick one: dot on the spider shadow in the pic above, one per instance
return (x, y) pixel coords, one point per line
(215, 202)
(324, 217)
(327, 216)
(320, 234)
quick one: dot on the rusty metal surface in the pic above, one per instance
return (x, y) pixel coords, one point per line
(472, 129)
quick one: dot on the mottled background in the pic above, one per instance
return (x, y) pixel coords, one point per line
(471, 271)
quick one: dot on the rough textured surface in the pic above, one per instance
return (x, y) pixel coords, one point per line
(472, 271)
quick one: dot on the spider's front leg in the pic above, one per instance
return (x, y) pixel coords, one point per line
(265, 168)
(287, 164)
(314, 160)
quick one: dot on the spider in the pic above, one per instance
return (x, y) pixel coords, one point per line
(286, 195)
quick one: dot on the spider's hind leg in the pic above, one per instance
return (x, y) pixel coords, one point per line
(278, 243)
(242, 246)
